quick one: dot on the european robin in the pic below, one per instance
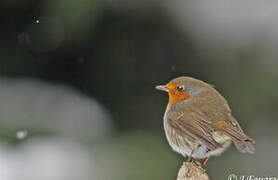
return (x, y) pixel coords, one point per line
(198, 121)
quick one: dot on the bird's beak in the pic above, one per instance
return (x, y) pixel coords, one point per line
(162, 88)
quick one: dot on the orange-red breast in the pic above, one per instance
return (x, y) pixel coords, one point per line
(198, 121)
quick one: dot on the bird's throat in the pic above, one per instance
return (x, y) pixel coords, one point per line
(175, 98)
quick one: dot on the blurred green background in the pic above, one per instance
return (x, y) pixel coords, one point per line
(77, 78)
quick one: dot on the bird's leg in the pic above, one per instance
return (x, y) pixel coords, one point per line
(189, 159)
(204, 163)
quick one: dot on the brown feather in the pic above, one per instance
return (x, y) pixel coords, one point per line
(242, 142)
(195, 127)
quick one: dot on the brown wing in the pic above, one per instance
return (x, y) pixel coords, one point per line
(195, 125)
(232, 128)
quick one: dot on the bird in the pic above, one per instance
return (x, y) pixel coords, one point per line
(198, 121)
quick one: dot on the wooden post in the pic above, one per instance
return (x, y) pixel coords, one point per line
(190, 171)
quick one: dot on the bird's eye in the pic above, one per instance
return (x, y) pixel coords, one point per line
(180, 88)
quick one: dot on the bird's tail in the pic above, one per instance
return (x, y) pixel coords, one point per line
(244, 146)
(242, 142)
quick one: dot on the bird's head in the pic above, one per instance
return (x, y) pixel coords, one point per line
(182, 88)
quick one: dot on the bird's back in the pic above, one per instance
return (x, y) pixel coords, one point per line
(207, 100)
